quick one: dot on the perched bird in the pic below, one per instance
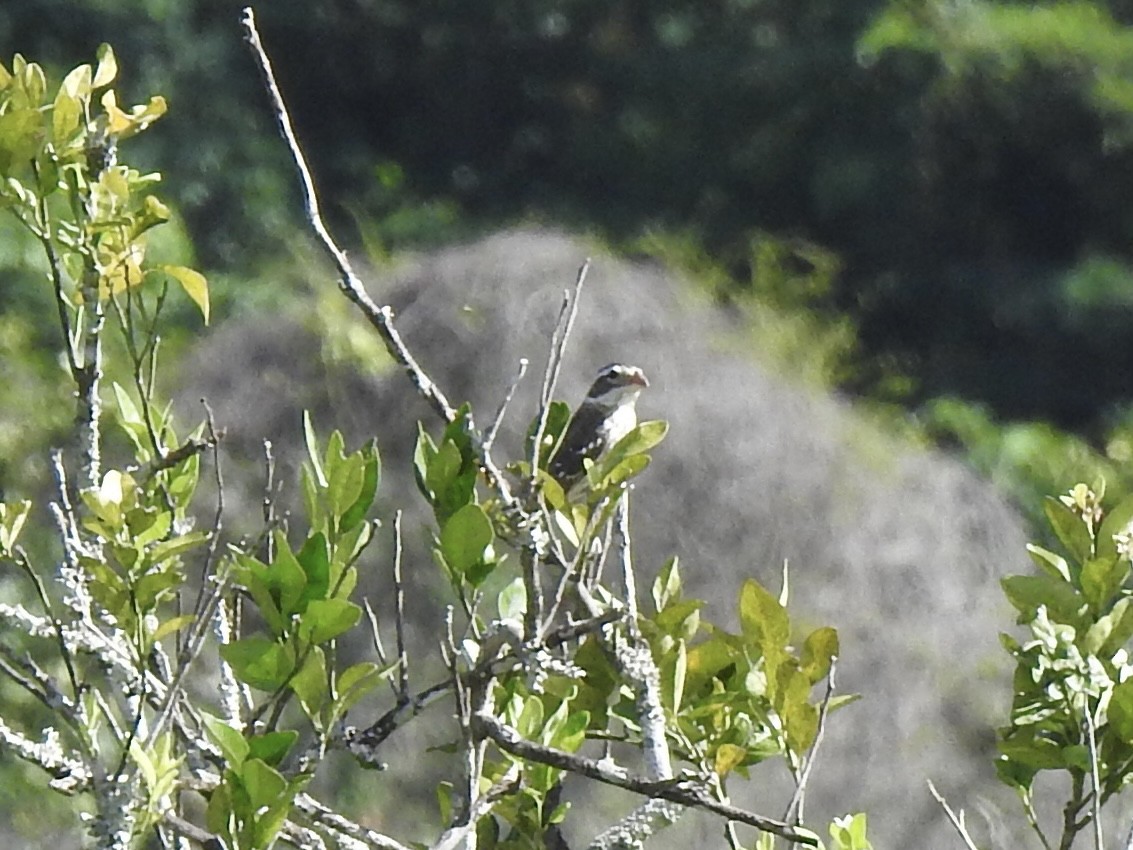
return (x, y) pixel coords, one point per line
(605, 416)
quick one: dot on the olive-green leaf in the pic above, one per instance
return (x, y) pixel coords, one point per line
(1117, 520)
(1121, 711)
(667, 585)
(763, 620)
(259, 661)
(728, 758)
(271, 747)
(194, 283)
(819, 650)
(314, 559)
(263, 783)
(1069, 528)
(372, 476)
(232, 744)
(465, 537)
(326, 619)
(310, 683)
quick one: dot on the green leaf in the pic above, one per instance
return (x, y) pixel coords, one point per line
(763, 620)
(231, 742)
(1112, 631)
(1069, 528)
(312, 443)
(314, 559)
(444, 467)
(13, 515)
(346, 480)
(1121, 711)
(667, 585)
(358, 680)
(272, 747)
(1116, 521)
(674, 668)
(465, 538)
(310, 684)
(680, 619)
(530, 721)
(644, 437)
(630, 451)
(1028, 593)
(1102, 579)
(263, 783)
(819, 650)
(194, 284)
(177, 546)
(174, 624)
(286, 577)
(728, 758)
(107, 68)
(848, 833)
(708, 659)
(1053, 565)
(1032, 752)
(67, 110)
(326, 619)
(255, 577)
(423, 453)
(259, 661)
(512, 601)
(372, 475)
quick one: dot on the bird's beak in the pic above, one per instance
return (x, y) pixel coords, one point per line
(638, 377)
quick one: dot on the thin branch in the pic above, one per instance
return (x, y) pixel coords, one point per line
(494, 428)
(1096, 796)
(794, 813)
(454, 837)
(563, 327)
(218, 515)
(399, 621)
(955, 818)
(56, 624)
(319, 813)
(684, 792)
(380, 318)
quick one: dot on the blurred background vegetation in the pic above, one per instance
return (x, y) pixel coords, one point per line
(933, 195)
(926, 205)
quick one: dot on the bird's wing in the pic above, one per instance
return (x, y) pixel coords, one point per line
(585, 438)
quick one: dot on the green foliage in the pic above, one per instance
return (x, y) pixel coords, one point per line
(1072, 704)
(1027, 459)
(738, 699)
(1004, 39)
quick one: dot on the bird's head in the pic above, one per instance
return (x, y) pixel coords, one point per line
(616, 384)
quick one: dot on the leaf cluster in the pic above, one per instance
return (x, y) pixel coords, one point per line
(1073, 697)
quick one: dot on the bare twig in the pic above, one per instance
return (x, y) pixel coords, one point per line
(494, 428)
(380, 318)
(57, 625)
(218, 514)
(454, 837)
(794, 813)
(1091, 739)
(955, 818)
(399, 622)
(376, 639)
(319, 813)
(563, 327)
(687, 793)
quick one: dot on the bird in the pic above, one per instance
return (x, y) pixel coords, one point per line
(604, 417)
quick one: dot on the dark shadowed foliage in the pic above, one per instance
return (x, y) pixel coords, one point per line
(897, 547)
